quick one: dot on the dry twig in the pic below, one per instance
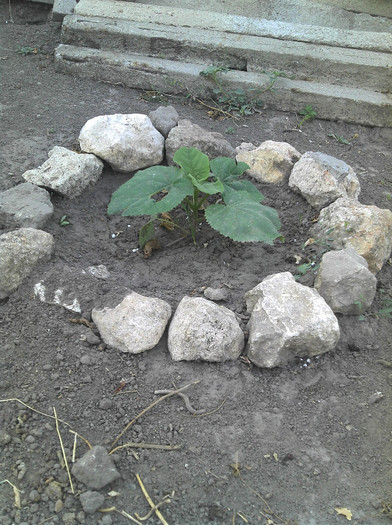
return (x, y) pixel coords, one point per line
(16, 492)
(156, 446)
(174, 392)
(63, 451)
(151, 503)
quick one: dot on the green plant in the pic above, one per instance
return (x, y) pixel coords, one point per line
(238, 213)
(63, 221)
(238, 101)
(308, 113)
(385, 311)
(339, 139)
(27, 50)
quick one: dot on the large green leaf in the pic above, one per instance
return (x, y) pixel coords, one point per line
(208, 187)
(134, 197)
(228, 172)
(226, 169)
(243, 219)
(193, 162)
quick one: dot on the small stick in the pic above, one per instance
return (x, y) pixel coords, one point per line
(16, 492)
(166, 499)
(63, 451)
(152, 504)
(174, 392)
(126, 515)
(146, 445)
(74, 447)
(186, 401)
(9, 9)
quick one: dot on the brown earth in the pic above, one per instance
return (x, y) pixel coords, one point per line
(306, 439)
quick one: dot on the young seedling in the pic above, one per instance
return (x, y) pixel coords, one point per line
(63, 221)
(237, 213)
(27, 50)
(339, 139)
(308, 113)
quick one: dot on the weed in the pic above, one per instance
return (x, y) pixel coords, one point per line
(27, 50)
(238, 102)
(230, 130)
(339, 139)
(385, 311)
(308, 113)
(64, 221)
(237, 214)
(303, 269)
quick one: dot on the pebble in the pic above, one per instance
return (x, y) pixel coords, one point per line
(86, 360)
(375, 398)
(216, 294)
(105, 404)
(5, 438)
(86, 379)
(58, 506)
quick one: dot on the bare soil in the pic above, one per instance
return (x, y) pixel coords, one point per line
(288, 445)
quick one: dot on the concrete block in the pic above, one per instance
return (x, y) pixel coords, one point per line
(61, 8)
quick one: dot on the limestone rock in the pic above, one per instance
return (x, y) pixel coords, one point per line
(164, 119)
(20, 251)
(201, 329)
(366, 229)
(91, 501)
(25, 205)
(271, 162)
(244, 146)
(127, 142)
(95, 469)
(135, 325)
(321, 179)
(67, 172)
(345, 282)
(190, 135)
(288, 320)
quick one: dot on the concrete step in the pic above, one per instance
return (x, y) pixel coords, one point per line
(327, 66)
(169, 76)
(301, 60)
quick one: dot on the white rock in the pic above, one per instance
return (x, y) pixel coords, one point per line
(135, 325)
(190, 135)
(201, 329)
(127, 142)
(344, 281)
(20, 251)
(288, 320)
(321, 179)
(67, 172)
(270, 162)
(366, 229)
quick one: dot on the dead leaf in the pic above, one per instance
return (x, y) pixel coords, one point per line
(149, 247)
(166, 221)
(276, 458)
(309, 242)
(344, 512)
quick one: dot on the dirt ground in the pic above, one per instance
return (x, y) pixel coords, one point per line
(289, 445)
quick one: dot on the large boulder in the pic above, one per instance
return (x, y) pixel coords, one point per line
(321, 179)
(366, 229)
(345, 282)
(20, 251)
(288, 320)
(66, 172)
(190, 135)
(135, 325)
(25, 206)
(127, 142)
(271, 162)
(200, 329)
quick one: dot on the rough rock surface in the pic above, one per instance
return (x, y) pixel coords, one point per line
(127, 142)
(344, 281)
(288, 320)
(321, 179)
(67, 172)
(190, 135)
(20, 251)
(95, 469)
(270, 162)
(25, 206)
(164, 119)
(91, 501)
(216, 294)
(200, 329)
(367, 229)
(135, 325)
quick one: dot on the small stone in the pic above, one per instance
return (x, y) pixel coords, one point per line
(58, 506)
(105, 404)
(91, 501)
(216, 294)
(5, 438)
(69, 518)
(92, 339)
(375, 398)
(95, 469)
